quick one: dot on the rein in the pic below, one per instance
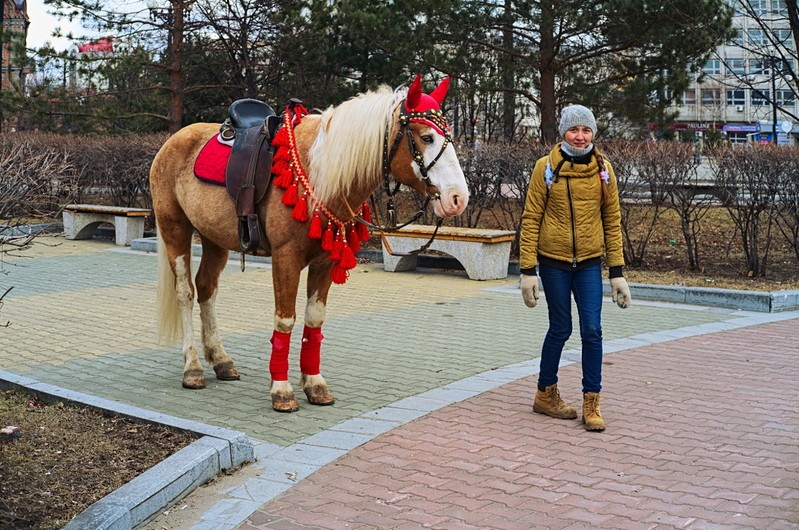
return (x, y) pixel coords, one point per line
(437, 118)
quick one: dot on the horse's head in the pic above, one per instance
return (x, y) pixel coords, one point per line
(427, 161)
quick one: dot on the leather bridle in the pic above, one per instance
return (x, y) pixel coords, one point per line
(436, 118)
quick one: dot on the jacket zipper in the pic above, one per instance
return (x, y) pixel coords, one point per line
(571, 216)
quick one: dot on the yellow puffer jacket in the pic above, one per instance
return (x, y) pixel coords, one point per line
(571, 225)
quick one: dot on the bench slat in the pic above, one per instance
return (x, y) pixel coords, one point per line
(456, 233)
(114, 210)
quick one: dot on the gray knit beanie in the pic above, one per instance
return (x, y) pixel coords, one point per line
(575, 115)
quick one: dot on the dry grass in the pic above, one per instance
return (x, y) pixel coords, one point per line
(722, 262)
(64, 458)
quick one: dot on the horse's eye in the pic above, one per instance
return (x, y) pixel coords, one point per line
(427, 138)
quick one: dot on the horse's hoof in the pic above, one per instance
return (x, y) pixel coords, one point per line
(194, 379)
(318, 395)
(285, 404)
(226, 372)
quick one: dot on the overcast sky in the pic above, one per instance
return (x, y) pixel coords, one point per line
(42, 24)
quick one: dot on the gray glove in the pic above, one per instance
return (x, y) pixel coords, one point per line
(530, 289)
(620, 292)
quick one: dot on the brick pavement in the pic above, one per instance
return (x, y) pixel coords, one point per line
(433, 378)
(702, 433)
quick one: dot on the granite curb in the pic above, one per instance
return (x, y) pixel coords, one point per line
(165, 483)
(758, 301)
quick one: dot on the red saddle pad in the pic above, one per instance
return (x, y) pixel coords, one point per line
(212, 161)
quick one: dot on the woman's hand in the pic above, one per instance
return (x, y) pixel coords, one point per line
(620, 292)
(530, 290)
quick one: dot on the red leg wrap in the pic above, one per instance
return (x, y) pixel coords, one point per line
(279, 360)
(310, 358)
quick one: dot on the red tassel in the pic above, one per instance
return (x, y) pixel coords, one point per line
(366, 213)
(363, 232)
(291, 196)
(327, 239)
(339, 274)
(300, 212)
(338, 244)
(348, 260)
(281, 138)
(353, 240)
(282, 172)
(315, 231)
(299, 112)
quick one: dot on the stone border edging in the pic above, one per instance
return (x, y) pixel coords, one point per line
(759, 301)
(163, 484)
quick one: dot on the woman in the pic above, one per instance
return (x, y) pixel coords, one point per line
(571, 219)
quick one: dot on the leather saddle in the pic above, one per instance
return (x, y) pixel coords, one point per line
(251, 124)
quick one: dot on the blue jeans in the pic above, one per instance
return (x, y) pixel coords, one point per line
(559, 285)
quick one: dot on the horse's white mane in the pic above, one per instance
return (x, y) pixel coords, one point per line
(349, 145)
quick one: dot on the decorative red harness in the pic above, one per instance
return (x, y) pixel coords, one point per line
(341, 239)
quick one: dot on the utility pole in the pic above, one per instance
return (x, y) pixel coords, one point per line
(773, 99)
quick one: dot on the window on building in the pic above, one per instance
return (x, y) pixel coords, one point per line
(735, 5)
(712, 67)
(761, 98)
(736, 97)
(759, 7)
(737, 138)
(760, 66)
(736, 66)
(779, 7)
(782, 66)
(784, 37)
(738, 39)
(711, 96)
(757, 37)
(785, 98)
(689, 97)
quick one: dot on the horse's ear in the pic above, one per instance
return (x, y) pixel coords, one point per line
(441, 91)
(414, 93)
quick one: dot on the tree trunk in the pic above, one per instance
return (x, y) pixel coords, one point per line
(546, 71)
(508, 97)
(176, 80)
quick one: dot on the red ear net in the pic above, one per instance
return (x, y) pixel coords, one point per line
(441, 91)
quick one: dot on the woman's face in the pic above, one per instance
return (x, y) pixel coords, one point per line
(579, 136)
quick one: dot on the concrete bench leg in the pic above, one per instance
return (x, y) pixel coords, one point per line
(482, 261)
(399, 263)
(127, 229)
(81, 225)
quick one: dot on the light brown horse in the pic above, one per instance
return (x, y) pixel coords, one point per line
(342, 155)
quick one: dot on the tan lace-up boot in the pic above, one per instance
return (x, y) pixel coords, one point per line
(592, 417)
(548, 402)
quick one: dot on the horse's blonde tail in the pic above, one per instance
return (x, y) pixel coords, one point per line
(170, 325)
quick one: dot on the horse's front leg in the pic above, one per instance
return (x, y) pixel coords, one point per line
(285, 280)
(312, 382)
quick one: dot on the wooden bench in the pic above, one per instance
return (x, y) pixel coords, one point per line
(81, 221)
(484, 253)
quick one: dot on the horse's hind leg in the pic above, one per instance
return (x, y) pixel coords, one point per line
(312, 382)
(213, 261)
(176, 234)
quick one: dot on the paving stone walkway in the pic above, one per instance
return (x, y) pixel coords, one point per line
(434, 375)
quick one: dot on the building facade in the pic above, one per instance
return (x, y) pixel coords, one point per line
(15, 26)
(744, 91)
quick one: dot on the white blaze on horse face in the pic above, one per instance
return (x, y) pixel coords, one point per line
(446, 175)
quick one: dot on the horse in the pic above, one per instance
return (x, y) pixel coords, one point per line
(313, 214)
